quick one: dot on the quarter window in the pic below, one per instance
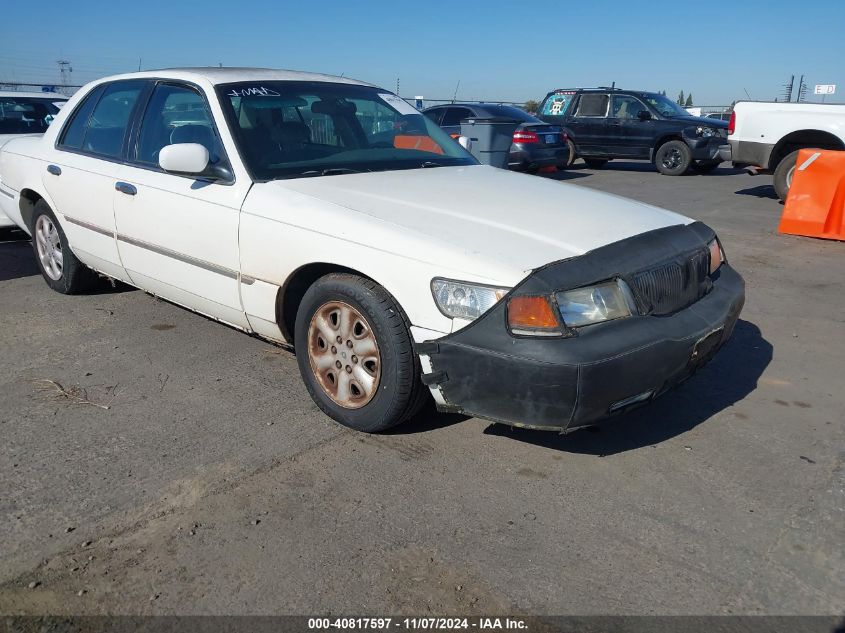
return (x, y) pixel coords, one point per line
(176, 114)
(107, 123)
(592, 105)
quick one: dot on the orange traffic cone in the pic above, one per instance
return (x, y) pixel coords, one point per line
(815, 206)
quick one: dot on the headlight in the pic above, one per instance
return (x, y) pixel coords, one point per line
(706, 132)
(717, 256)
(462, 300)
(594, 304)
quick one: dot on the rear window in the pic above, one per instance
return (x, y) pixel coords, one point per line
(510, 112)
(26, 115)
(556, 104)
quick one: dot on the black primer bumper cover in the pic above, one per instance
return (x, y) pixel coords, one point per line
(563, 383)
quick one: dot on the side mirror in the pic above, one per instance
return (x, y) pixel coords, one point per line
(644, 115)
(183, 158)
(464, 142)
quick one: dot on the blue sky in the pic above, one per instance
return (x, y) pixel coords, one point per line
(502, 51)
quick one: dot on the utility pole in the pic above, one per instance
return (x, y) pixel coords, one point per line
(787, 89)
(65, 70)
(802, 89)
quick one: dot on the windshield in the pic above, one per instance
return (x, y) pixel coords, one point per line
(664, 106)
(287, 129)
(26, 115)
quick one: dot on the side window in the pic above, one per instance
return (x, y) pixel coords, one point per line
(592, 105)
(626, 107)
(176, 114)
(74, 132)
(453, 116)
(107, 124)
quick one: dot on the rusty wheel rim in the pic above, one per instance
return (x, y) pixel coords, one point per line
(344, 354)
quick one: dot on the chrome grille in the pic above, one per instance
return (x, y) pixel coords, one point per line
(674, 285)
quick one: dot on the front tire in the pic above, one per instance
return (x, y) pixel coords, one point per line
(60, 268)
(782, 178)
(673, 158)
(355, 353)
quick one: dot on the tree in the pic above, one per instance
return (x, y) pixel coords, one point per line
(688, 103)
(681, 98)
(531, 106)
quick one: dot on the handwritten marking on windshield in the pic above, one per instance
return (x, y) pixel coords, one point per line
(258, 91)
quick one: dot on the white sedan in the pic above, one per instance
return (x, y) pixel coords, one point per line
(329, 215)
(23, 114)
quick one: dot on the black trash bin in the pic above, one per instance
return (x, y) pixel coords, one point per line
(490, 138)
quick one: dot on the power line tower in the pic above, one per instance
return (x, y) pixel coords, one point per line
(65, 71)
(802, 89)
(787, 89)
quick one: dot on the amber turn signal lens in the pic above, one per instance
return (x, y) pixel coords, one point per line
(531, 313)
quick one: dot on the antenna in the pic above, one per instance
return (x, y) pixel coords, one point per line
(139, 64)
(397, 85)
(455, 96)
(613, 86)
(747, 95)
(64, 71)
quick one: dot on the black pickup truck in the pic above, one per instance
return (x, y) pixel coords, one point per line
(607, 123)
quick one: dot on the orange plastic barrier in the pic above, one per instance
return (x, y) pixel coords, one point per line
(422, 143)
(815, 206)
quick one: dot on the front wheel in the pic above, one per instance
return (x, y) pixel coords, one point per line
(355, 353)
(673, 158)
(60, 268)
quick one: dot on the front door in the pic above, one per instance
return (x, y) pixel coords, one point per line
(178, 235)
(628, 134)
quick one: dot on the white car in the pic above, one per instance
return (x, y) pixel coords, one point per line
(768, 136)
(328, 214)
(25, 113)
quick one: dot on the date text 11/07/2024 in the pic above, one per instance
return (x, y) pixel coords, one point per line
(415, 624)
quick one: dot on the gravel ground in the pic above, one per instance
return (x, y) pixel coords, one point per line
(212, 485)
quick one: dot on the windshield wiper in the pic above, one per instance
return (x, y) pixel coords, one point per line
(331, 171)
(430, 163)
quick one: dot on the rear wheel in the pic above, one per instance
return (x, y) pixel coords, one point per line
(673, 158)
(782, 178)
(570, 155)
(356, 355)
(595, 163)
(60, 268)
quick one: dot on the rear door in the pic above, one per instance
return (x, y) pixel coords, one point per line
(588, 124)
(628, 134)
(178, 235)
(82, 170)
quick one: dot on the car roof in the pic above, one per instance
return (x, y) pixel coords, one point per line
(38, 95)
(600, 89)
(216, 75)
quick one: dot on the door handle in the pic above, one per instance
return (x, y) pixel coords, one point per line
(125, 187)
(54, 169)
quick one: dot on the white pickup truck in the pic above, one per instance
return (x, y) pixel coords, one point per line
(767, 136)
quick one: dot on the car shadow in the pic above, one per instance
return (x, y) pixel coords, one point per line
(17, 260)
(16, 257)
(760, 191)
(646, 166)
(731, 376)
(563, 175)
(427, 419)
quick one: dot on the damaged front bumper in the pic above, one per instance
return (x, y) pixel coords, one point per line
(593, 372)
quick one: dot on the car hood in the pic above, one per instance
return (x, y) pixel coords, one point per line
(485, 215)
